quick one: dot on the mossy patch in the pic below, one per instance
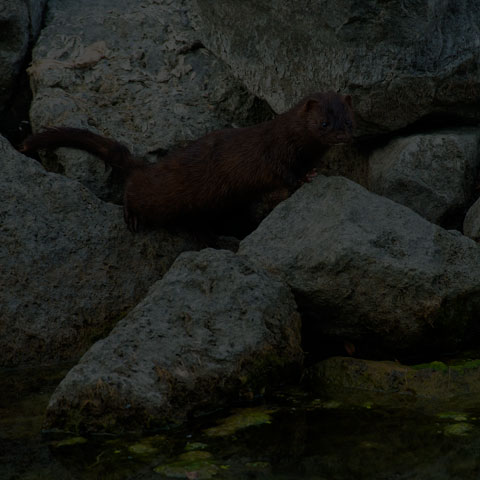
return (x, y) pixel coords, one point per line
(325, 404)
(195, 464)
(243, 418)
(461, 429)
(437, 366)
(141, 449)
(456, 416)
(68, 442)
(437, 380)
(195, 446)
(258, 466)
(466, 365)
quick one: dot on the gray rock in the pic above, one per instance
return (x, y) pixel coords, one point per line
(433, 381)
(20, 23)
(400, 60)
(471, 224)
(433, 174)
(133, 71)
(212, 329)
(367, 269)
(69, 267)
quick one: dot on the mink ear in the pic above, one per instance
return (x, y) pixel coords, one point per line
(348, 100)
(309, 104)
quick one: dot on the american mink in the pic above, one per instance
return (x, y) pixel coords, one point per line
(224, 168)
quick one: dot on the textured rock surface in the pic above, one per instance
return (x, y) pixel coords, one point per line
(69, 267)
(133, 71)
(213, 328)
(433, 174)
(400, 60)
(370, 270)
(471, 224)
(19, 25)
(435, 380)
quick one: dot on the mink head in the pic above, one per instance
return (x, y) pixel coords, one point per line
(329, 117)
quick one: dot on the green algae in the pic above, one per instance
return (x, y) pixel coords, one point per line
(68, 442)
(436, 365)
(195, 446)
(194, 464)
(326, 404)
(458, 365)
(456, 416)
(357, 434)
(466, 365)
(258, 466)
(460, 429)
(243, 418)
(142, 449)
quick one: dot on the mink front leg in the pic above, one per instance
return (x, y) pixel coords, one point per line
(131, 220)
(309, 176)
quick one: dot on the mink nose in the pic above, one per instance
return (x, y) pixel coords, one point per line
(344, 136)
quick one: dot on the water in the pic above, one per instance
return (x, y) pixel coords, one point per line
(292, 436)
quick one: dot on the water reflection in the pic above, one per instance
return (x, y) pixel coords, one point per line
(342, 437)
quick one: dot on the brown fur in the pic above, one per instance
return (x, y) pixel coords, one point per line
(221, 169)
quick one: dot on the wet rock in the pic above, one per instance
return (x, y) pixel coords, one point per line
(136, 72)
(243, 418)
(375, 50)
(69, 267)
(201, 465)
(433, 174)
(366, 269)
(214, 328)
(434, 380)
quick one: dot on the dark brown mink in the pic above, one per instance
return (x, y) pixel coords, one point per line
(224, 168)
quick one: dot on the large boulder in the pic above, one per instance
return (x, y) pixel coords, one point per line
(400, 60)
(133, 71)
(434, 174)
(371, 271)
(69, 267)
(213, 329)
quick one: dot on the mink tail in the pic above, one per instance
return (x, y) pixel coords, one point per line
(110, 151)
